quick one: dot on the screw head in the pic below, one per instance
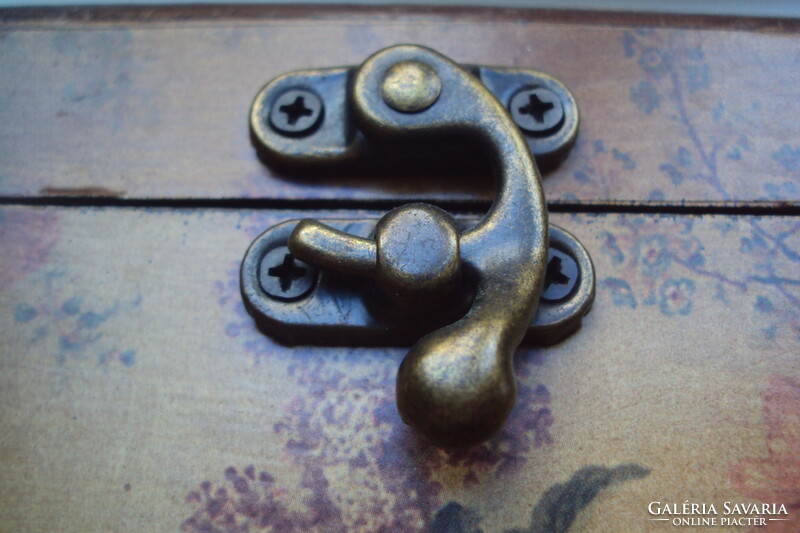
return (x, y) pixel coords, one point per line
(561, 277)
(296, 112)
(410, 86)
(285, 278)
(537, 111)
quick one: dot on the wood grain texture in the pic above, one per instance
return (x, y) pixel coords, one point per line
(134, 104)
(136, 394)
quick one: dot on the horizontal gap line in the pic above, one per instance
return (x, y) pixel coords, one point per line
(659, 208)
(771, 209)
(56, 16)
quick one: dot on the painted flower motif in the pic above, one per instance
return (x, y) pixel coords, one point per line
(776, 477)
(599, 167)
(654, 62)
(345, 433)
(674, 70)
(788, 158)
(652, 254)
(557, 508)
(243, 503)
(645, 95)
(621, 292)
(672, 172)
(675, 296)
(611, 248)
(780, 191)
(250, 501)
(698, 77)
(73, 329)
(662, 262)
(689, 251)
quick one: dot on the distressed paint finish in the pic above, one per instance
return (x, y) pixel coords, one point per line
(684, 369)
(136, 393)
(664, 116)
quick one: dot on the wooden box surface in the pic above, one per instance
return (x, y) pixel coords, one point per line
(137, 395)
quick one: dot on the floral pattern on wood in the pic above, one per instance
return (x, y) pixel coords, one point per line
(250, 501)
(51, 315)
(676, 126)
(598, 168)
(70, 328)
(344, 431)
(662, 261)
(775, 478)
(556, 509)
(674, 72)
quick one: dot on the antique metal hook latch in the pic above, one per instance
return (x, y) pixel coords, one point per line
(465, 291)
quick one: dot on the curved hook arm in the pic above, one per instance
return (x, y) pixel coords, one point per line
(456, 385)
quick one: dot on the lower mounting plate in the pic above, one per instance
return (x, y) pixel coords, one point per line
(299, 304)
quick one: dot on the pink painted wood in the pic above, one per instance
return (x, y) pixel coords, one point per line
(674, 109)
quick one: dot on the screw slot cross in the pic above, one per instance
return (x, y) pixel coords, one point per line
(554, 274)
(287, 272)
(536, 108)
(296, 110)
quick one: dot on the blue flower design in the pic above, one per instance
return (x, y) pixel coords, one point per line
(675, 296)
(25, 313)
(655, 62)
(734, 154)
(582, 176)
(611, 249)
(599, 146)
(627, 161)
(697, 77)
(683, 158)
(763, 304)
(652, 255)
(780, 191)
(788, 157)
(621, 292)
(628, 42)
(76, 329)
(675, 175)
(645, 95)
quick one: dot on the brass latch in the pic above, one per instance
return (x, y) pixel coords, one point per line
(465, 290)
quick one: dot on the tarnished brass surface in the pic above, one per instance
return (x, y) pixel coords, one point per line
(456, 384)
(350, 310)
(410, 86)
(339, 141)
(414, 257)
